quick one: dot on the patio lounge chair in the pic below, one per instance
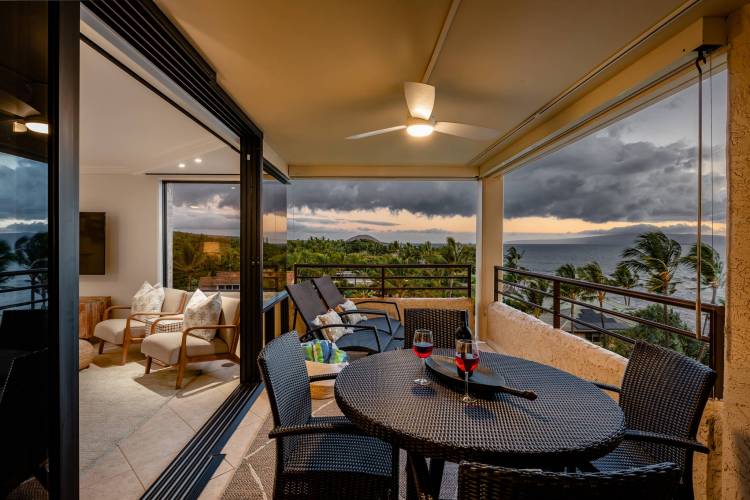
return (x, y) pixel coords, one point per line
(663, 396)
(365, 338)
(484, 482)
(319, 457)
(333, 298)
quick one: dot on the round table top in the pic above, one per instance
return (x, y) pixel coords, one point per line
(571, 421)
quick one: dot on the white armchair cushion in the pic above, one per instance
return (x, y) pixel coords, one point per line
(202, 310)
(166, 346)
(148, 298)
(113, 330)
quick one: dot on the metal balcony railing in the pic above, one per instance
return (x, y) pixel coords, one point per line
(384, 280)
(36, 289)
(510, 284)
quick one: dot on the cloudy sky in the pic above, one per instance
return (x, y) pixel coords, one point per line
(23, 195)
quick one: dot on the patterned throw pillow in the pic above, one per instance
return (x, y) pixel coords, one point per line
(148, 298)
(351, 319)
(203, 310)
(332, 318)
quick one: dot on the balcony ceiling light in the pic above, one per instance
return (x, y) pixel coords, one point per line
(181, 165)
(420, 129)
(198, 160)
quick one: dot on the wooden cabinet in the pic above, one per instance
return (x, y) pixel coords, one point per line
(90, 312)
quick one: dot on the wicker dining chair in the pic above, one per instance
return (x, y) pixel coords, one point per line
(663, 396)
(442, 322)
(484, 482)
(319, 457)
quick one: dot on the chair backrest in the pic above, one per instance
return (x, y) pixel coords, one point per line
(174, 300)
(442, 322)
(282, 366)
(484, 482)
(665, 392)
(230, 315)
(331, 294)
(24, 329)
(307, 301)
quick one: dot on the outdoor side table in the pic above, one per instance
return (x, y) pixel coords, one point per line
(571, 421)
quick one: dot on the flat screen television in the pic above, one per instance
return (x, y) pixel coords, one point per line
(92, 242)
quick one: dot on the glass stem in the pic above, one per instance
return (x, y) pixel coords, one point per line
(423, 369)
(466, 383)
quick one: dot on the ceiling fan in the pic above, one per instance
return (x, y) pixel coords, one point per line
(420, 99)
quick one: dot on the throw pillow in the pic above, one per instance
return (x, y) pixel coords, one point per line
(203, 311)
(148, 298)
(351, 319)
(332, 318)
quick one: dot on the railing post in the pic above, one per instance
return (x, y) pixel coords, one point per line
(468, 280)
(294, 269)
(269, 326)
(382, 281)
(717, 349)
(495, 286)
(556, 304)
(284, 315)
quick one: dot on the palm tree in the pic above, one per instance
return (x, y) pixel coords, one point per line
(32, 253)
(657, 256)
(512, 257)
(624, 278)
(6, 257)
(592, 272)
(712, 268)
(535, 294)
(571, 292)
(454, 253)
(189, 260)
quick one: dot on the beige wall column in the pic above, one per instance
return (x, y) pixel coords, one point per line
(489, 244)
(736, 439)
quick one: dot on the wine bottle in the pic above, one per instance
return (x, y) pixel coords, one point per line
(463, 332)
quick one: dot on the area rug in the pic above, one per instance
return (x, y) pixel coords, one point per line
(115, 400)
(253, 479)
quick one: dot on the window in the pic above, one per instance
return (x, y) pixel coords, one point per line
(202, 235)
(274, 207)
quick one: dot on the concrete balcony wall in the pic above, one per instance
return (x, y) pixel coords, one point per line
(510, 331)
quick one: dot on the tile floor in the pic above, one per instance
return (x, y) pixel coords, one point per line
(126, 471)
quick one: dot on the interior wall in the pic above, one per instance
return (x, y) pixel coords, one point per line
(133, 246)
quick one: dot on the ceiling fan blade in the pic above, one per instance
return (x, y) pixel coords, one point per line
(376, 132)
(468, 131)
(420, 99)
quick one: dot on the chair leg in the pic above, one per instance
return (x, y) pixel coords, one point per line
(101, 346)
(149, 359)
(180, 374)
(125, 347)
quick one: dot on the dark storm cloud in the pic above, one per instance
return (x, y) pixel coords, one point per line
(23, 189)
(186, 194)
(601, 179)
(427, 198)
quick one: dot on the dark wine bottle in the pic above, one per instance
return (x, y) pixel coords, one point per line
(463, 332)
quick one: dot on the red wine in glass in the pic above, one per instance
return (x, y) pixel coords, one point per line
(422, 349)
(467, 362)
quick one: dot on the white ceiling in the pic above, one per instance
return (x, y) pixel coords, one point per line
(312, 73)
(127, 129)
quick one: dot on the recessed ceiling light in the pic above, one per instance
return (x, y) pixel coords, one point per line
(234, 187)
(181, 165)
(198, 160)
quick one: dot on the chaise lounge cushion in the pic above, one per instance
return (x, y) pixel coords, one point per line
(166, 346)
(381, 323)
(113, 330)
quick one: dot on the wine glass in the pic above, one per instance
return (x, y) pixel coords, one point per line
(467, 359)
(422, 347)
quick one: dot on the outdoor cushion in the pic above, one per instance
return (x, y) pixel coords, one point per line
(166, 346)
(230, 310)
(364, 339)
(381, 323)
(332, 318)
(352, 319)
(113, 330)
(148, 298)
(202, 310)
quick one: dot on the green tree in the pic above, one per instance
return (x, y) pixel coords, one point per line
(592, 272)
(31, 253)
(712, 268)
(189, 260)
(513, 257)
(624, 278)
(6, 257)
(567, 291)
(658, 257)
(535, 293)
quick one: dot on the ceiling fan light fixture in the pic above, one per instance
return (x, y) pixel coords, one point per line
(419, 129)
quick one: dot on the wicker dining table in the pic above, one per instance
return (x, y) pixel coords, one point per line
(570, 423)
